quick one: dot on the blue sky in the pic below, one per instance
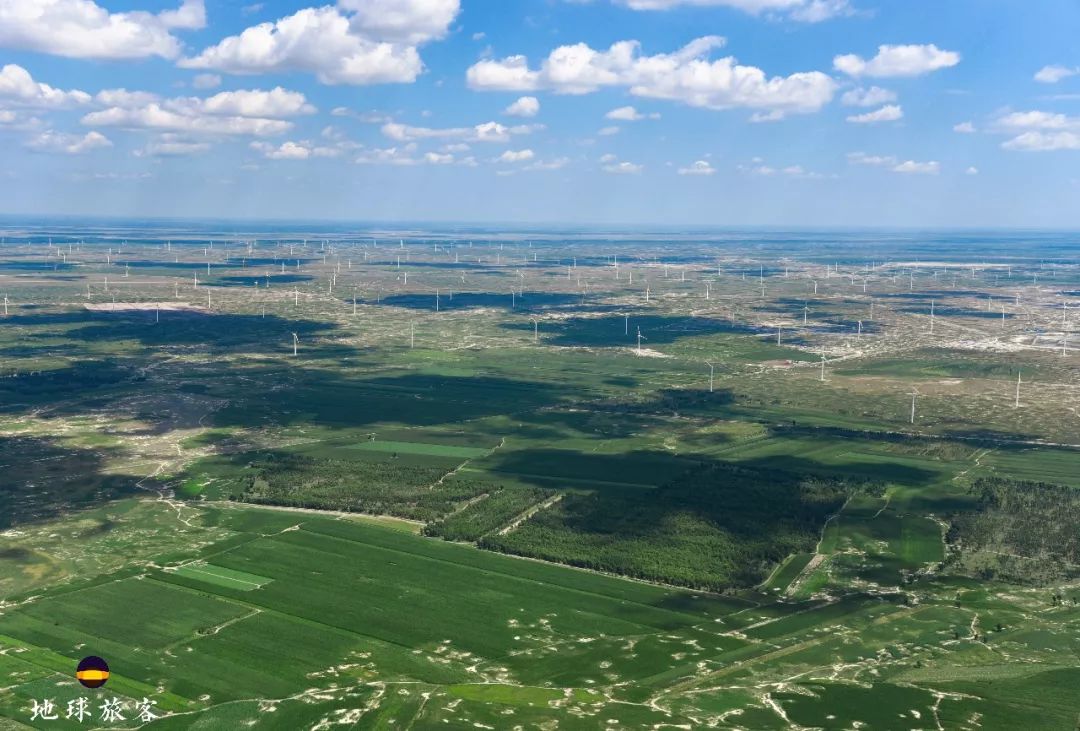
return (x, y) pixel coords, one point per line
(670, 112)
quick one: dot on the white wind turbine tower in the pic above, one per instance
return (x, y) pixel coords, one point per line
(805, 312)
(1018, 382)
(931, 317)
(822, 379)
(640, 337)
(536, 330)
(295, 343)
(914, 395)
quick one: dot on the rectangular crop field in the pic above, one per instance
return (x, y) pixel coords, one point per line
(221, 576)
(433, 450)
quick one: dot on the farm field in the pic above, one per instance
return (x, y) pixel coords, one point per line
(514, 639)
(504, 511)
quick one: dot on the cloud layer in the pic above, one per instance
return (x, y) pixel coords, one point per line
(359, 42)
(688, 75)
(84, 29)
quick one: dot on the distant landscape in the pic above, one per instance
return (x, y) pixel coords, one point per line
(494, 478)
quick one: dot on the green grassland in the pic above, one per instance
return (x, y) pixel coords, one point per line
(468, 518)
(486, 637)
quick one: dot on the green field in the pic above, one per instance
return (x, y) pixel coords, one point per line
(502, 514)
(221, 576)
(434, 450)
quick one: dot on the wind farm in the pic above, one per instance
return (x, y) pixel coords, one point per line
(536, 478)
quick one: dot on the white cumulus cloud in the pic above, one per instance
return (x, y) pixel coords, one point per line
(698, 167)
(1043, 141)
(890, 162)
(255, 112)
(84, 29)
(156, 117)
(1055, 73)
(276, 102)
(1039, 131)
(68, 144)
(526, 106)
(284, 151)
(806, 11)
(871, 97)
(486, 132)
(890, 61)
(918, 168)
(360, 42)
(629, 114)
(687, 75)
(888, 113)
(611, 164)
(18, 87)
(516, 156)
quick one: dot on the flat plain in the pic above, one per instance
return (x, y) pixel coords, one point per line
(428, 479)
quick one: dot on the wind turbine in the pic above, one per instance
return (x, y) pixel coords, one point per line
(822, 379)
(295, 343)
(914, 395)
(640, 337)
(1018, 382)
(536, 330)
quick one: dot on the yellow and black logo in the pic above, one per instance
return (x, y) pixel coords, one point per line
(93, 672)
